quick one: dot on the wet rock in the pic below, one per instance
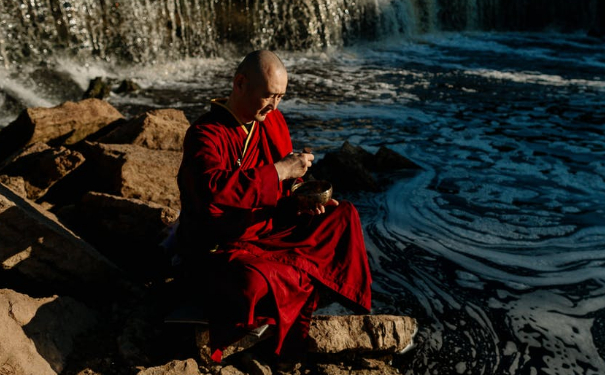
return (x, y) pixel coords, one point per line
(65, 124)
(162, 129)
(389, 160)
(347, 170)
(42, 166)
(98, 88)
(361, 333)
(137, 172)
(186, 367)
(36, 248)
(352, 168)
(38, 333)
(127, 86)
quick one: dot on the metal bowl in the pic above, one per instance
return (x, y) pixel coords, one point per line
(311, 193)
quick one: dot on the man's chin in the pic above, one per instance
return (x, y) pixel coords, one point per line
(261, 116)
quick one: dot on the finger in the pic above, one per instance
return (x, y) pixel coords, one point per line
(332, 202)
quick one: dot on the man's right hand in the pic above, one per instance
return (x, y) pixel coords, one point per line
(294, 165)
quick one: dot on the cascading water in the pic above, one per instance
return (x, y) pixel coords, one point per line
(144, 31)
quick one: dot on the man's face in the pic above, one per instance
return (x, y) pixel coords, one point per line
(263, 94)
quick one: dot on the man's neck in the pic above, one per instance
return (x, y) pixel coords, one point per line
(235, 111)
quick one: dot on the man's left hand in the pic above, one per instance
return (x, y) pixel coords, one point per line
(319, 208)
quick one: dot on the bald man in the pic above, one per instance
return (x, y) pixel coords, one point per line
(255, 259)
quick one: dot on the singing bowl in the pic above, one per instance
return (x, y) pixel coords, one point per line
(311, 193)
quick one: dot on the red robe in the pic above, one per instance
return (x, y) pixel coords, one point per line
(231, 214)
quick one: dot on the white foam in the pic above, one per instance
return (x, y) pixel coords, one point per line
(25, 93)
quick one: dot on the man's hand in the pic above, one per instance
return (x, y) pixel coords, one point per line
(320, 208)
(293, 165)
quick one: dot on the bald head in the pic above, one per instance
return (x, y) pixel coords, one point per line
(259, 64)
(259, 83)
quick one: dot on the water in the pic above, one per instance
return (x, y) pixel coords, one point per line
(497, 246)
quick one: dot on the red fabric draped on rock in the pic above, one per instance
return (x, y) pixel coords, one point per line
(231, 223)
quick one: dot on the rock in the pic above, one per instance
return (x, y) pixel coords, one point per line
(347, 169)
(98, 88)
(127, 85)
(381, 368)
(389, 160)
(37, 249)
(15, 183)
(352, 168)
(336, 339)
(361, 333)
(125, 230)
(255, 367)
(230, 370)
(65, 124)
(42, 166)
(186, 367)
(133, 171)
(38, 333)
(162, 129)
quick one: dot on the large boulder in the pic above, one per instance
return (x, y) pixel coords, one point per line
(65, 124)
(38, 333)
(38, 251)
(42, 166)
(126, 230)
(162, 129)
(133, 171)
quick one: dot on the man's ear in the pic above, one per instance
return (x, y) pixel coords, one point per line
(239, 82)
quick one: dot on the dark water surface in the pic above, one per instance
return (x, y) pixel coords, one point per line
(497, 246)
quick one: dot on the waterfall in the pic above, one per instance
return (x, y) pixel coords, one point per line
(146, 31)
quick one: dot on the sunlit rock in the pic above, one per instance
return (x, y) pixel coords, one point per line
(133, 171)
(65, 124)
(162, 129)
(38, 333)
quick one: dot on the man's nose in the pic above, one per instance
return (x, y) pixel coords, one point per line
(274, 102)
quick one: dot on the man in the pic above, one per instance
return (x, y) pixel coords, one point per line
(257, 259)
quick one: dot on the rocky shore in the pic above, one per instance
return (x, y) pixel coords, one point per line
(87, 202)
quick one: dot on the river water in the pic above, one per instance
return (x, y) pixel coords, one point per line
(497, 245)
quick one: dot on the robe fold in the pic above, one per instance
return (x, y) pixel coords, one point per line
(235, 219)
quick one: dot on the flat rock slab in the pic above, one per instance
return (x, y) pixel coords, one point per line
(65, 124)
(361, 333)
(38, 333)
(162, 129)
(133, 171)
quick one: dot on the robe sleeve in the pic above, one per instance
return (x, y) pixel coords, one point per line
(222, 183)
